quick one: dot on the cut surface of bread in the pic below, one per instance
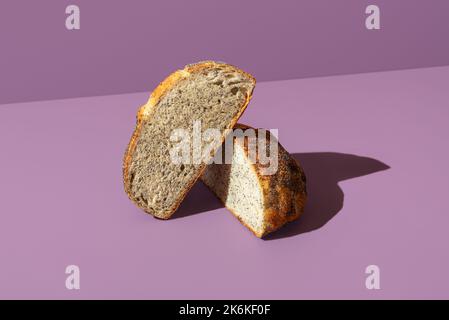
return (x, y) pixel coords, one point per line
(210, 93)
(263, 203)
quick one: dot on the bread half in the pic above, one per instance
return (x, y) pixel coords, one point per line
(263, 203)
(209, 93)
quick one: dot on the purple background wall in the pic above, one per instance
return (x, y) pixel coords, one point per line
(128, 46)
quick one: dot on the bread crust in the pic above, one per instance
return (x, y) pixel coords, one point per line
(284, 193)
(145, 112)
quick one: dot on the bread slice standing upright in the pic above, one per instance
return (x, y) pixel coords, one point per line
(211, 93)
(263, 203)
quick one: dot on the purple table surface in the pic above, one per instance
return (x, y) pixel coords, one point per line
(374, 148)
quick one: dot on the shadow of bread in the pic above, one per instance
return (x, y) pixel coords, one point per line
(199, 199)
(324, 170)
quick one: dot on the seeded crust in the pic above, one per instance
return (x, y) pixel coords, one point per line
(145, 112)
(284, 193)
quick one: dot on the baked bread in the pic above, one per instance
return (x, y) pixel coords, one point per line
(210, 93)
(263, 203)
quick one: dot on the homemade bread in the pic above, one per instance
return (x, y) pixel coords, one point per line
(263, 203)
(215, 94)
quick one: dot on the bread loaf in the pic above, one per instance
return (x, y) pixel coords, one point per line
(263, 203)
(216, 94)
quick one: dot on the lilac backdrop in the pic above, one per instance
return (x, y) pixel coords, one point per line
(128, 46)
(374, 149)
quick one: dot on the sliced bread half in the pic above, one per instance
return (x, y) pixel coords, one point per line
(215, 94)
(263, 203)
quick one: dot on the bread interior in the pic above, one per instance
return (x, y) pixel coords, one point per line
(215, 97)
(237, 185)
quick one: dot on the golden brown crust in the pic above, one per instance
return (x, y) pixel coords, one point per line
(284, 192)
(130, 150)
(146, 111)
